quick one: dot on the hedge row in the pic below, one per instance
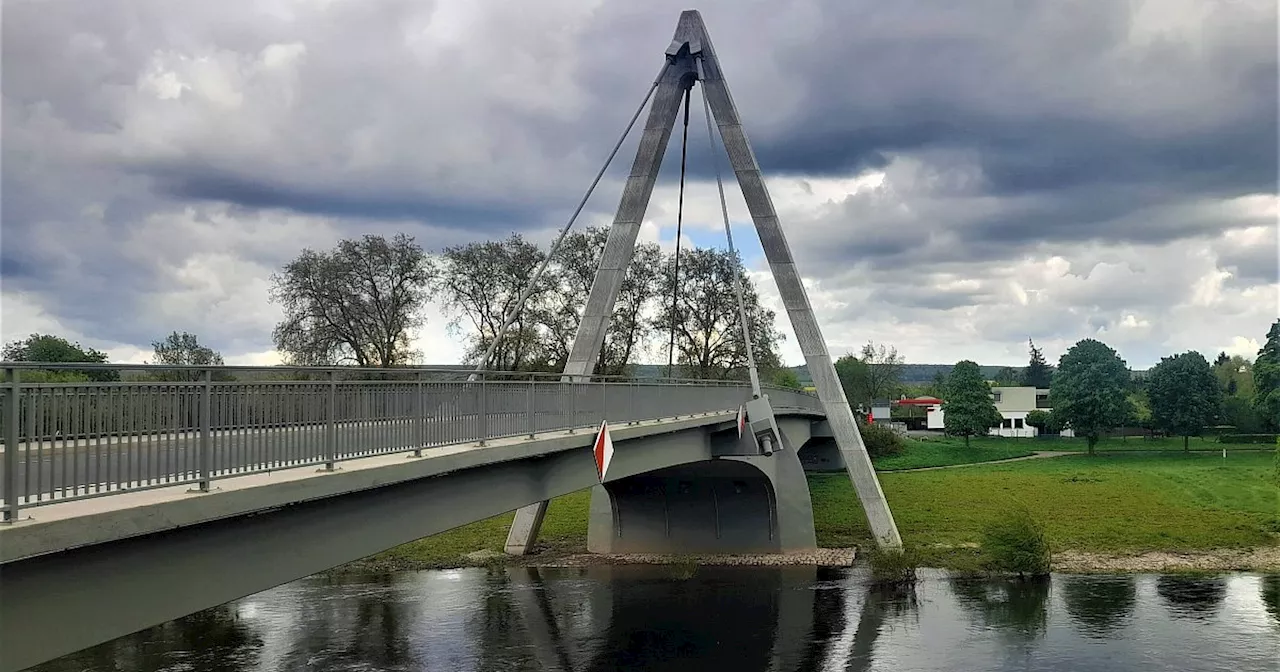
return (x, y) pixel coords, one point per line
(1247, 438)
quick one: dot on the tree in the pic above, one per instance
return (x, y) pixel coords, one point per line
(1089, 390)
(1037, 374)
(481, 283)
(55, 349)
(787, 378)
(572, 274)
(968, 409)
(185, 350)
(708, 331)
(354, 304)
(1040, 419)
(853, 374)
(884, 371)
(1008, 377)
(1184, 395)
(1266, 379)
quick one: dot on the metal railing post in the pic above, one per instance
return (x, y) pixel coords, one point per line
(631, 402)
(573, 404)
(420, 406)
(12, 413)
(483, 419)
(331, 430)
(206, 431)
(531, 418)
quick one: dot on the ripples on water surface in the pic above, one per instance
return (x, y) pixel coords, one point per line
(731, 618)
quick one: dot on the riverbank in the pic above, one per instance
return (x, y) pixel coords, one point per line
(1119, 511)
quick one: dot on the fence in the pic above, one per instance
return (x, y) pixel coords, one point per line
(65, 441)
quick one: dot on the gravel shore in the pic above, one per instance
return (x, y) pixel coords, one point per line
(823, 557)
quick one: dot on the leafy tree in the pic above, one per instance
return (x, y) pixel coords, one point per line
(1008, 377)
(1089, 390)
(481, 283)
(354, 304)
(185, 350)
(1235, 376)
(1266, 379)
(968, 409)
(1037, 374)
(1040, 419)
(1140, 411)
(1184, 395)
(708, 338)
(853, 374)
(572, 274)
(55, 349)
(787, 378)
(872, 375)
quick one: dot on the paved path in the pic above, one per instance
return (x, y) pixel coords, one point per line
(1038, 455)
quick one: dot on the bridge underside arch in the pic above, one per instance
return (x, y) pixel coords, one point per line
(743, 504)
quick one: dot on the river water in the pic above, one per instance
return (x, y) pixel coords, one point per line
(717, 618)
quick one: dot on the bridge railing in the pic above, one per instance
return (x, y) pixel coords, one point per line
(187, 425)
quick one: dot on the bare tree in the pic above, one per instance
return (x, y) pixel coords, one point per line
(708, 335)
(480, 284)
(355, 304)
(576, 263)
(884, 371)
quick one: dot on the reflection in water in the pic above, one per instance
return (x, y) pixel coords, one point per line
(1099, 605)
(738, 618)
(1193, 597)
(1271, 595)
(1015, 607)
(213, 639)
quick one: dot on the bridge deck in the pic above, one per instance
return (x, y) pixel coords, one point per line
(76, 441)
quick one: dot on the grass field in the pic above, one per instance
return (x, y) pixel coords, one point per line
(1119, 502)
(945, 450)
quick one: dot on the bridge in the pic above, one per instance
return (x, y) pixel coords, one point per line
(131, 503)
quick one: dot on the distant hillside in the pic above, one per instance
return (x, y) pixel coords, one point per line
(911, 373)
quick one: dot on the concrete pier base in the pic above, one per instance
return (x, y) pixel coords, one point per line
(731, 504)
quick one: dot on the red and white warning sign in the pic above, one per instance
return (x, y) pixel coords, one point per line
(742, 419)
(603, 449)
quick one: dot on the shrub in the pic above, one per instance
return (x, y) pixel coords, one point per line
(893, 566)
(1248, 438)
(1016, 542)
(880, 440)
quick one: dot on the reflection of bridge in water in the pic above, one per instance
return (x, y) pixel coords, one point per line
(686, 618)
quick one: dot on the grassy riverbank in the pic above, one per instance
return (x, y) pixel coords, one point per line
(1115, 504)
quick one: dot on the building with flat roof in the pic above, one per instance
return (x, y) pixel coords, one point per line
(1013, 403)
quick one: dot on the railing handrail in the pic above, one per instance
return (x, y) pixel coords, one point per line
(460, 371)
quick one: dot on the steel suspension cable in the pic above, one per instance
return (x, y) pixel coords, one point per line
(728, 234)
(675, 284)
(537, 275)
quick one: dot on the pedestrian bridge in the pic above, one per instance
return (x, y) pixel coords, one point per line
(132, 503)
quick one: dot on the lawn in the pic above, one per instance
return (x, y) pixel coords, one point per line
(1119, 502)
(1110, 503)
(945, 450)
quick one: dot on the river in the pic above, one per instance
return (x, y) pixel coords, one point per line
(716, 618)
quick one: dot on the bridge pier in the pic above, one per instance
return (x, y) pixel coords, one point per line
(726, 505)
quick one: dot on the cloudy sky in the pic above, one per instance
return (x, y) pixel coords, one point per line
(954, 178)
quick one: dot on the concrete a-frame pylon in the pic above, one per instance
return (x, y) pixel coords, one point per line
(691, 59)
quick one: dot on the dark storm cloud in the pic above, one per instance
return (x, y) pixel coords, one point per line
(1003, 128)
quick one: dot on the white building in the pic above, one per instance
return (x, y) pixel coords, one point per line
(1014, 403)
